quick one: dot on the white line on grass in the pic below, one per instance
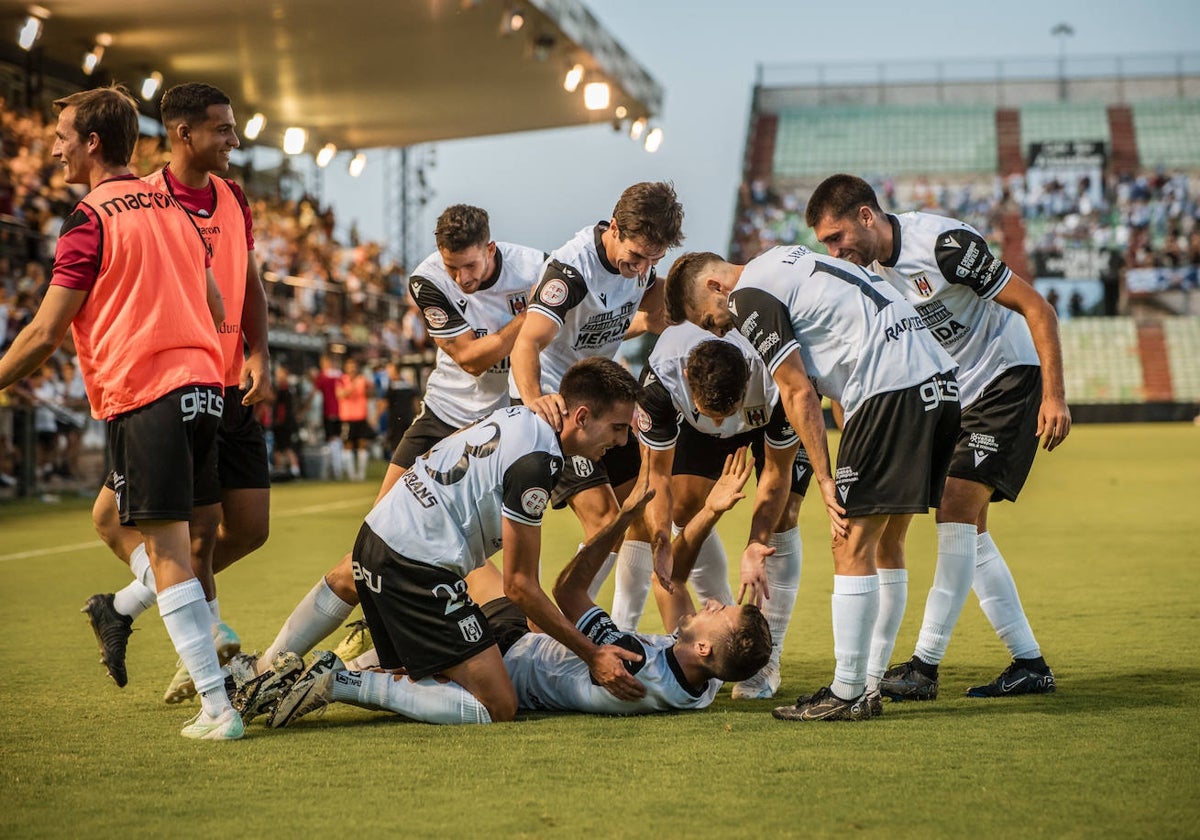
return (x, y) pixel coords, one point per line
(284, 514)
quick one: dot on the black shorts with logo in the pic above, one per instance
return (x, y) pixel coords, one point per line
(896, 448)
(420, 616)
(619, 465)
(241, 446)
(426, 432)
(704, 455)
(507, 621)
(998, 440)
(163, 455)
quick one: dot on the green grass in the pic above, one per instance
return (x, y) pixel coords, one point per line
(1104, 545)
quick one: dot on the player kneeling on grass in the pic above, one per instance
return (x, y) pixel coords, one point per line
(681, 671)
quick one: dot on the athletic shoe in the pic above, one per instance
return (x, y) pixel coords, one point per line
(761, 686)
(357, 641)
(875, 703)
(182, 688)
(1016, 679)
(257, 695)
(227, 727)
(312, 691)
(905, 682)
(825, 705)
(112, 632)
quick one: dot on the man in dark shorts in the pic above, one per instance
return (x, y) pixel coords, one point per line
(144, 331)
(232, 518)
(1004, 337)
(824, 327)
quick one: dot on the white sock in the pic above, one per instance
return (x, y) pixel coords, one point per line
(335, 459)
(189, 624)
(893, 597)
(426, 700)
(998, 597)
(635, 567)
(318, 614)
(710, 575)
(214, 607)
(140, 594)
(855, 608)
(951, 582)
(361, 457)
(365, 661)
(601, 575)
(783, 577)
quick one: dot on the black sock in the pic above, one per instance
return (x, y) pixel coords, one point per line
(1037, 665)
(924, 668)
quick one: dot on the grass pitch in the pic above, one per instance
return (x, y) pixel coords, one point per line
(1104, 545)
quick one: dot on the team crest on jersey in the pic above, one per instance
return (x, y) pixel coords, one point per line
(922, 283)
(470, 629)
(436, 317)
(517, 303)
(756, 415)
(582, 466)
(643, 420)
(533, 501)
(554, 292)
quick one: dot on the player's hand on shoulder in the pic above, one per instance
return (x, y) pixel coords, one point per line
(608, 669)
(551, 408)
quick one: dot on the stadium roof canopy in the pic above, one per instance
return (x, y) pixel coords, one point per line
(356, 73)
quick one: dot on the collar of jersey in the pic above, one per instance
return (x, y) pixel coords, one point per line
(895, 257)
(597, 233)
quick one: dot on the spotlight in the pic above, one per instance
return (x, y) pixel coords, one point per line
(357, 163)
(621, 113)
(151, 85)
(29, 32)
(326, 155)
(596, 96)
(513, 21)
(573, 78)
(293, 140)
(91, 60)
(637, 128)
(254, 127)
(654, 140)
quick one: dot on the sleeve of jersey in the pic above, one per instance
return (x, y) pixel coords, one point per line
(559, 291)
(77, 255)
(440, 316)
(601, 630)
(527, 486)
(964, 258)
(764, 320)
(779, 432)
(657, 417)
(244, 203)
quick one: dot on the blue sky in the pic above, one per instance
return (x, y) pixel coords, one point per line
(540, 187)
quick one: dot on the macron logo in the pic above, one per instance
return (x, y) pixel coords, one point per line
(979, 457)
(952, 242)
(844, 490)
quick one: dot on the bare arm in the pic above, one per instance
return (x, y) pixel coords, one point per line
(256, 372)
(1054, 417)
(534, 335)
(34, 344)
(658, 512)
(652, 313)
(216, 304)
(477, 354)
(770, 499)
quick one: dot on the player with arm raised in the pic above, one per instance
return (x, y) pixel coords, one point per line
(1004, 336)
(824, 326)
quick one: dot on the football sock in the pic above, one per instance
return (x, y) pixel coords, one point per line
(335, 459)
(361, 458)
(601, 575)
(365, 661)
(783, 577)
(189, 623)
(855, 608)
(317, 615)
(710, 575)
(951, 583)
(893, 597)
(140, 594)
(426, 700)
(635, 567)
(997, 592)
(214, 607)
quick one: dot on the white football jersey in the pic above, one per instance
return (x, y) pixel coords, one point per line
(856, 335)
(451, 393)
(446, 511)
(589, 300)
(666, 400)
(547, 675)
(944, 269)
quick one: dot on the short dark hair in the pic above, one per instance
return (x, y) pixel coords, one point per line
(598, 383)
(742, 654)
(717, 374)
(461, 226)
(111, 114)
(189, 103)
(681, 282)
(839, 196)
(650, 212)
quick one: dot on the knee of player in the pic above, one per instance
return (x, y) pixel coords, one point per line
(501, 708)
(340, 579)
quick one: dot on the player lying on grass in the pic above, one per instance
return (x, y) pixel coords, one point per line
(681, 671)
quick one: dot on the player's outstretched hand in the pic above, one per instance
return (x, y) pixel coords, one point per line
(1054, 422)
(608, 669)
(754, 573)
(551, 408)
(727, 492)
(839, 526)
